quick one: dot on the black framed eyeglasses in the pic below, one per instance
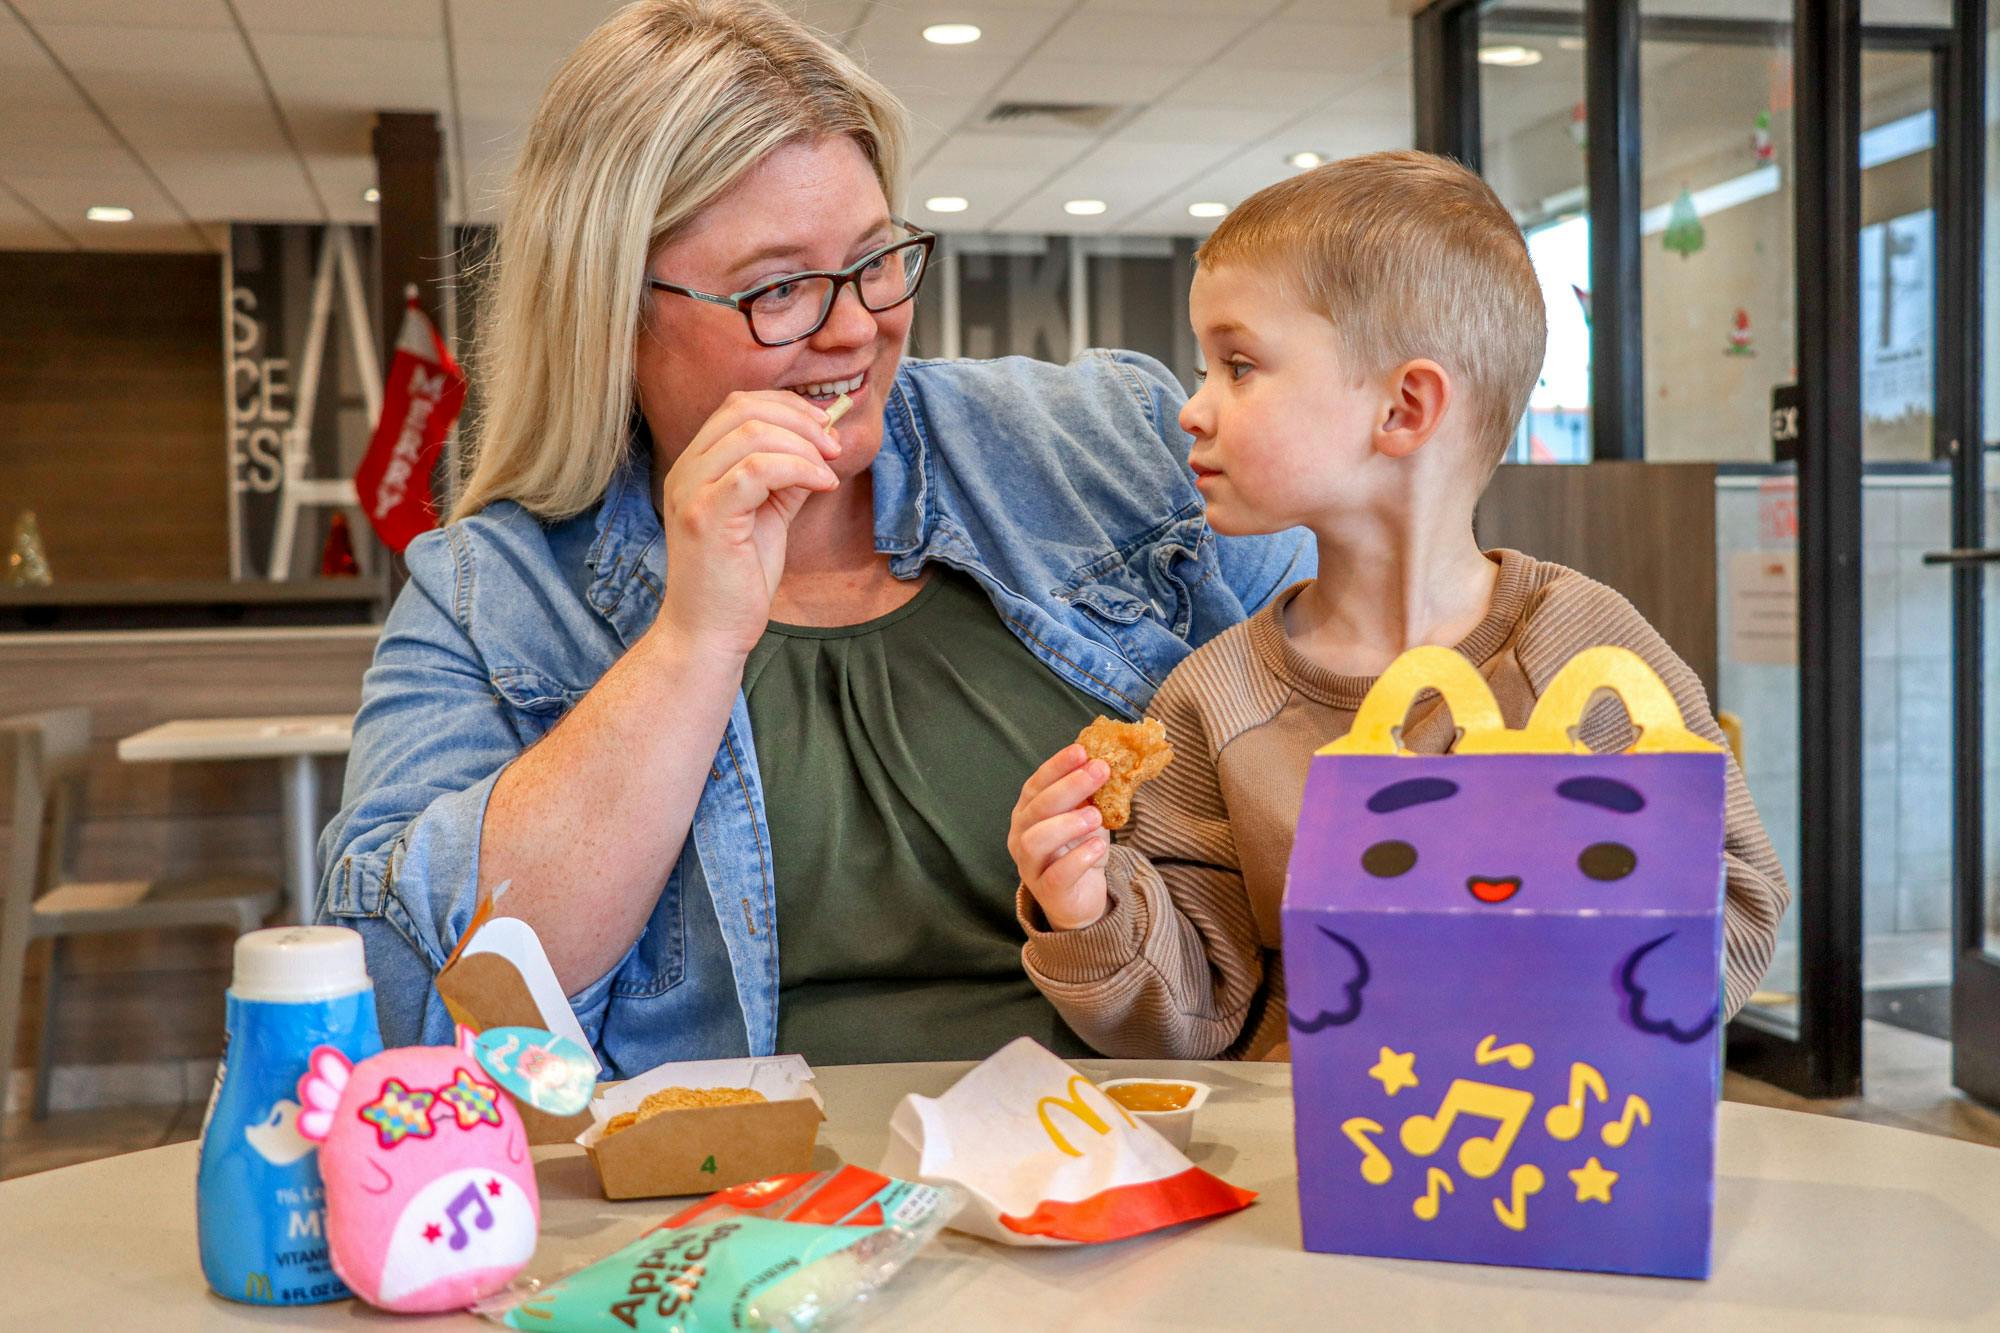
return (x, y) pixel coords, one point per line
(795, 307)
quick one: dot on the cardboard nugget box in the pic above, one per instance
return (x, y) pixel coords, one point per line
(499, 977)
(703, 1149)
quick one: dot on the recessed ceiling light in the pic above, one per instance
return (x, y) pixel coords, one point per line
(371, 195)
(108, 213)
(1207, 210)
(952, 34)
(1084, 208)
(1511, 55)
(1305, 161)
(947, 203)
(1570, 43)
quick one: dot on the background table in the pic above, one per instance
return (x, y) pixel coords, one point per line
(294, 741)
(1821, 1224)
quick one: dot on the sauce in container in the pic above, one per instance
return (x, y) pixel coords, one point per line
(1137, 1096)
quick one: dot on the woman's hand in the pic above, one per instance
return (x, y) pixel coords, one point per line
(727, 503)
(1058, 841)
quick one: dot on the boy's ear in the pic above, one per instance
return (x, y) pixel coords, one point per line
(1419, 394)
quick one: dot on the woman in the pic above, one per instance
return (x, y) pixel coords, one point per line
(698, 674)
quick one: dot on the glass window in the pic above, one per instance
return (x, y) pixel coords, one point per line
(1718, 297)
(1906, 676)
(1532, 151)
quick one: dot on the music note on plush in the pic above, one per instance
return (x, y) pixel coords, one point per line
(469, 1197)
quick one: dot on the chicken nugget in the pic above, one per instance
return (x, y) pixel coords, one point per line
(1134, 752)
(688, 1099)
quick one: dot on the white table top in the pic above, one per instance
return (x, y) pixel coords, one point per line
(241, 738)
(1821, 1224)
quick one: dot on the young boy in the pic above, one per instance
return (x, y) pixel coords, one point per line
(1372, 329)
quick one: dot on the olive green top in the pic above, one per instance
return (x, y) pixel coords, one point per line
(892, 753)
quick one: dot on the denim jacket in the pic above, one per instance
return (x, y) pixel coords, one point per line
(1062, 490)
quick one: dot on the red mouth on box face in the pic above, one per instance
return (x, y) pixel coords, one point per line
(1493, 890)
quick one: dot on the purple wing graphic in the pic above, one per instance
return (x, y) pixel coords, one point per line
(1667, 989)
(1348, 977)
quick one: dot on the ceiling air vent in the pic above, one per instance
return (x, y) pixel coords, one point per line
(1060, 117)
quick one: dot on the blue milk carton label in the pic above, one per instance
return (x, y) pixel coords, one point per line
(259, 1202)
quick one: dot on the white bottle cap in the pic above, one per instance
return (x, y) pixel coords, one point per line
(294, 964)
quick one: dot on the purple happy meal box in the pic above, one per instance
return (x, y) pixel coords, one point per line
(1503, 969)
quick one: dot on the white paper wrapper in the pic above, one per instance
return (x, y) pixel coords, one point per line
(779, 1078)
(1046, 1158)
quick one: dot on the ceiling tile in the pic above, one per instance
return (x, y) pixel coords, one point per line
(1247, 9)
(129, 13)
(65, 198)
(353, 18)
(1257, 86)
(989, 194)
(998, 149)
(21, 228)
(1334, 49)
(1214, 125)
(1135, 169)
(1116, 38)
(191, 104)
(1219, 95)
(555, 27)
(1048, 78)
(1007, 33)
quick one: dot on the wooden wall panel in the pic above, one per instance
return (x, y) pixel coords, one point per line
(158, 995)
(112, 420)
(1646, 529)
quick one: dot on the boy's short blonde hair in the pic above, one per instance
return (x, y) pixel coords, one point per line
(1409, 255)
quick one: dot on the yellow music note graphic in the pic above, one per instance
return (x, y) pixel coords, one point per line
(1566, 1122)
(1375, 1168)
(1423, 1135)
(1519, 1054)
(1426, 1208)
(1620, 1131)
(1528, 1180)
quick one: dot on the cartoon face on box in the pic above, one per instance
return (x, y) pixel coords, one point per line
(1503, 969)
(430, 1192)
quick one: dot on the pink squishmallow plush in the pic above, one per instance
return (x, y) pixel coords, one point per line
(430, 1192)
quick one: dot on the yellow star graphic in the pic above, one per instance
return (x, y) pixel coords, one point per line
(1593, 1182)
(1395, 1072)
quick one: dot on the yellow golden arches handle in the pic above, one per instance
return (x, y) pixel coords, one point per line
(1560, 709)
(1473, 709)
(1662, 729)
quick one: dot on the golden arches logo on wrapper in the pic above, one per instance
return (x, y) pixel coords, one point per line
(1073, 1101)
(1041, 1163)
(1503, 971)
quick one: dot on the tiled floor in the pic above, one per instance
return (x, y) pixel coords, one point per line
(1906, 1076)
(1907, 1080)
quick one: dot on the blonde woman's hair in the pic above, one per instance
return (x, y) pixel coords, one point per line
(655, 115)
(1409, 255)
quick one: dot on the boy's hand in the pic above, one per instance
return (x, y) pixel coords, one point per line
(1058, 840)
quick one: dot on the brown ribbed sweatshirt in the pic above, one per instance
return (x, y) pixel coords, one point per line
(1185, 964)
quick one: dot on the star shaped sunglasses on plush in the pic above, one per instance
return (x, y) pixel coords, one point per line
(795, 307)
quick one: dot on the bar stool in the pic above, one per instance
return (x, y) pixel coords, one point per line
(48, 755)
